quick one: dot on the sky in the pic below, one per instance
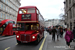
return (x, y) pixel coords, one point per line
(50, 9)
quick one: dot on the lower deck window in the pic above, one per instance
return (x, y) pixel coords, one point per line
(27, 26)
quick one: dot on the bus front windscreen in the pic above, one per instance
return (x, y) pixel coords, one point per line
(31, 10)
(2, 28)
(20, 26)
(22, 11)
(30, 26)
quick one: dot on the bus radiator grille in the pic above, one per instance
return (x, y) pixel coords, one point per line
(25, 37)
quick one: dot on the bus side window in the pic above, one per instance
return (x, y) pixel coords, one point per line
(13, 22)
(6, 23)
(31, 27)
(40, 27)
(37, 26)
(10, 22)
(37, 11)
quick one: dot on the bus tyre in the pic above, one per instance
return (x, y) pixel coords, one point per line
(37, 41)
(18, 42)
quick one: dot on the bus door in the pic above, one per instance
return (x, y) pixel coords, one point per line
(41, 30)
(10, 29)
(2, 29)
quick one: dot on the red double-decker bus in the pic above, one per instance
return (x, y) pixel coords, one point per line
(30, 25)
(7, 27)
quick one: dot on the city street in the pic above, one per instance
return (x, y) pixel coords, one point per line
(29, 21)
(14, 46)
(11, 44)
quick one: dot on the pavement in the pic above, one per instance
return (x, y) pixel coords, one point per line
(57, 45)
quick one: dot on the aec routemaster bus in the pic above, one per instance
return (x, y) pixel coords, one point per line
(7, 27)
(30, 25)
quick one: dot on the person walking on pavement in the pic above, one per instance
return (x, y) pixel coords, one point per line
(53, 33)
(61, 32)
(68, 37)
(74, 34)
(65, 29)
(58, 33)
(50, 30)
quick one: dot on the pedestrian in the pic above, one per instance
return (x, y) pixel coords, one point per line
(68, 37)
(65, 29)
(61, 32)
(74, 34)
(53, 33)
(50, 30)
(58, 33)
(47, 30)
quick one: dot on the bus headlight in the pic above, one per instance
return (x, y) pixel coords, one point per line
(33, 37)
(17, 36)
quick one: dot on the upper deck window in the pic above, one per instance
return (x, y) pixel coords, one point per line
(22, 11)
(31, 10)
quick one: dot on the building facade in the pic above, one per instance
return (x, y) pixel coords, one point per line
(52, 22)
(61, 23)
(9, 9)
(69, 8)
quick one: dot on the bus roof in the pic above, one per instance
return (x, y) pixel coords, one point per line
(4, 21)
(27, 7)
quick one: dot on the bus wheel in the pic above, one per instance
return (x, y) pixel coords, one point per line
(38, 40)
(18, 42)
